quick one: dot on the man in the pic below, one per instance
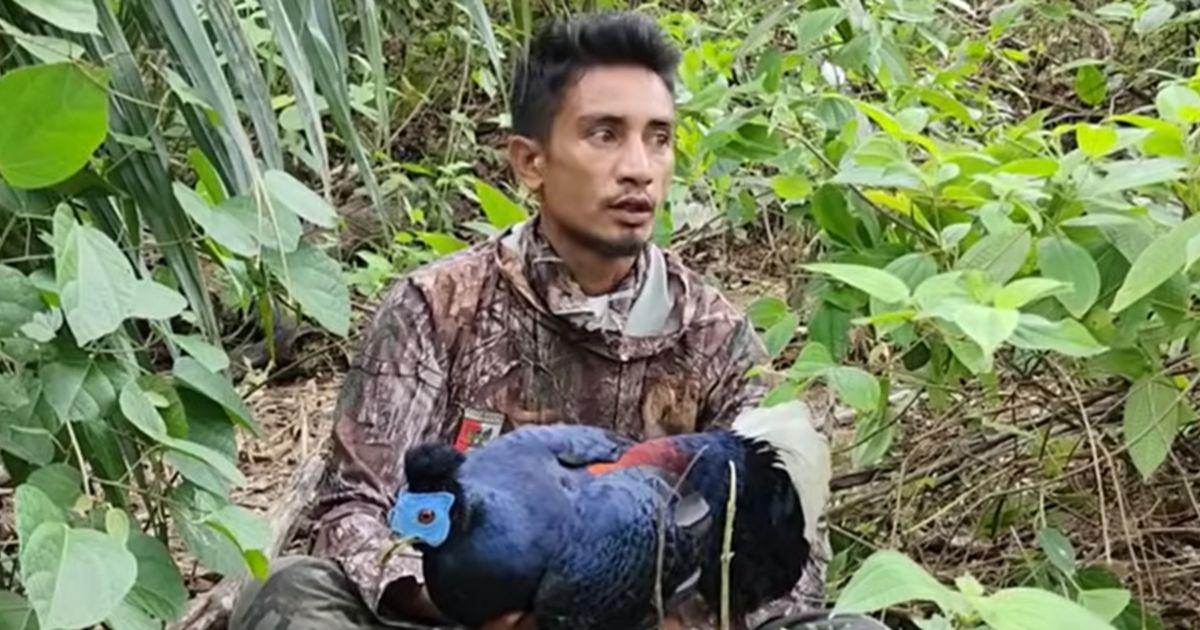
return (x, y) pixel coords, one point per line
(571, 316)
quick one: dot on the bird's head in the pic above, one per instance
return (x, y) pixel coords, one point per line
(428, 506)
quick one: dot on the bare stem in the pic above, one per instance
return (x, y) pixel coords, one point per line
(727, 546)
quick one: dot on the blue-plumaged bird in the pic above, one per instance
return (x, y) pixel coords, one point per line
(588, 530)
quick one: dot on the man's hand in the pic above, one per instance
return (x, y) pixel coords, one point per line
(511, 621)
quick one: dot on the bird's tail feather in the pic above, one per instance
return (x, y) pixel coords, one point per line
(803, 453)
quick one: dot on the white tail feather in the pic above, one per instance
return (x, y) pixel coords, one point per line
(803, 453)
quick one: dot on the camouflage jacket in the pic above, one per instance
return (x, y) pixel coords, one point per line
(499, 335)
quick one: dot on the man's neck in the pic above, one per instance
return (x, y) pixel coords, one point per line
(596, 274)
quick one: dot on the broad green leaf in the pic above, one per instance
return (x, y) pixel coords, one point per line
(275, 228)
(129, 617)
(1178, 103)
(500, 210)
(248, 531)
(442, 243)
(855, 387)
(1130, 174)
(44, 326)
(830, 327)
(31, 508)
(871, 280)
(137, 408)
(78, 16)
(1153, 17)
(815, 24)
(1065, 336)
(152, 300)
(1106, 603)
(1020, 292)
(1001, 254)
(1091, 85)
(95, 282)
(288, 193)
(19, 300)
(831, 213)
(989, 327)
(888, 578)
(1151, 421)
(315, 281)
(208, 355)
(1160, 260)
(1062, 259)
(55, 116)
(1059, 550)
(1024, 608)
(791, 187)
(159, 588)
(190, 510)
(765, 311)
(1096, 140)
(780, 334)
(1035, 167)
(231, 225)
(61, 482)
(195, 376)
(77, 390)
(1117, 11)
(75, 577)
(12, 392)
(813, 359)
(16, 613)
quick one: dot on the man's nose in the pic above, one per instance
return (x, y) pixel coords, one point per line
(634, 166)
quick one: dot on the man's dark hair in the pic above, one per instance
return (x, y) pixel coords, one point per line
(563, 50)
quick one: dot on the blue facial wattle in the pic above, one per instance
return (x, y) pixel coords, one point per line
(422, 515)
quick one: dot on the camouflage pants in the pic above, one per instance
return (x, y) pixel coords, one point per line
(306, 593)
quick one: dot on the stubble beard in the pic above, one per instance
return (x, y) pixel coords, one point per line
(619, 247)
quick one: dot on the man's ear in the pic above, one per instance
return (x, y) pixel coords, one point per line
(528, 161)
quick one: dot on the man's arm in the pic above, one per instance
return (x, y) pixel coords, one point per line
(734, 393)
(393, 397)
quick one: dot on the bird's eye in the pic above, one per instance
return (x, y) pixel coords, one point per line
(426, 516)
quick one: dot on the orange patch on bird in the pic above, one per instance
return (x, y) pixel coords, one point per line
(658, 452)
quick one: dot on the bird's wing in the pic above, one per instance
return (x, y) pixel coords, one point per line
(573, 445)
(605, 577)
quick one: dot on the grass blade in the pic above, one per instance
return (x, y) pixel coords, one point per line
(368, 14)
(483, 27)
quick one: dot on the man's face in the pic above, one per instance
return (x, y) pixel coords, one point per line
(608, 160)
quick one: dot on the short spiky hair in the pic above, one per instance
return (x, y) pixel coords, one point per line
(563, 50)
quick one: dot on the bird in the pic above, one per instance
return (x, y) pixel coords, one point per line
(590, 530)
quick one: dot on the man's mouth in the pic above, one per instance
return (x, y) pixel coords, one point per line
(633, 209)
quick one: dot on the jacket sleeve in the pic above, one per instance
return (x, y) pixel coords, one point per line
(393, 397)
(734, 392)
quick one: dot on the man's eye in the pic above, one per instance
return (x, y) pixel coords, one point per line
(662, 138)
(604, 134)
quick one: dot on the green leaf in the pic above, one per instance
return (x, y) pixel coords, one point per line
(441, 243)
(989, 327)
(1018, 293)
(1001, 254)
(95, 282)
(765, 311)
(500, 210)
(1091, 85)
(198, 378)
(159, 589)
(19, 300)
(813, 359)
(1156, 263)
(777, 337)
(1096, 140)
(231, 225)
(287, 192)
(1151, 421)
(130, 617)
(856, 387)
(75, 577)
(1130, 174)
(315, 281)
(31, 508)
(248, 531)
(190, 510)
(1065, 336)
(1153, 18)
(16, 613)
(1059, 550)
(1106, 603)
(1062, 259)
(815, 24)
(831, 214)
(77, 390)
(791, 187)
(152, 300)
(1178, 104)
(55, 116)
(888, 578)
(61, 482)
(44, 325)
(874, 282)
(208, 355)
(78, 16)
(1025, 608)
